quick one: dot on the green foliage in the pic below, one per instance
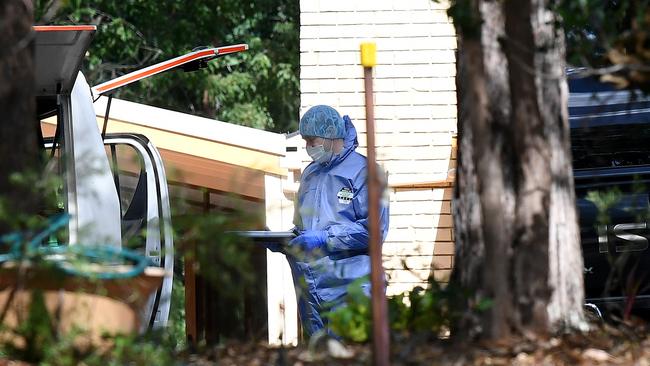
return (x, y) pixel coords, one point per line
(257, 88)
(423, 312)
(39, 341)
(609, 34)
(223, 259)
(175, 332)
(39, 337)
(46, 188)
(608, 37)
(466, 17)
(231, 269)
(354, 320)
(37, 330)
(133, 350)
(221, 256)
(604, 201)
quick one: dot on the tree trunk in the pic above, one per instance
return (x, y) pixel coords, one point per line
(566, 269)
(514, 200)
(19, 128)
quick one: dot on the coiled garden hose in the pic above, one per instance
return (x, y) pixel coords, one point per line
(73, 260)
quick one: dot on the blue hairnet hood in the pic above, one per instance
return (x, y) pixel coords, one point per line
(322, 121)
(350, 142)
(333, 198)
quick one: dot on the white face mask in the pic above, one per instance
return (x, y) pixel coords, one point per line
(319, 154)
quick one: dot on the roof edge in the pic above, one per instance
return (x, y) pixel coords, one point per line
(195, 126)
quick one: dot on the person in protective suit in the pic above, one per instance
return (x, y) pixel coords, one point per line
(331, 217)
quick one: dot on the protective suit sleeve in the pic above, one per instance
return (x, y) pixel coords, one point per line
(353, 235)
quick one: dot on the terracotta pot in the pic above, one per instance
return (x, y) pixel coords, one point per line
(92, 307)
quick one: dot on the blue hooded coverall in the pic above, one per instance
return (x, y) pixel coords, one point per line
(334, 198)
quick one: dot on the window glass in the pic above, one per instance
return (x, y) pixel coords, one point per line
(131, 182)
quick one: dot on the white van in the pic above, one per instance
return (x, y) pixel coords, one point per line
(115, 188)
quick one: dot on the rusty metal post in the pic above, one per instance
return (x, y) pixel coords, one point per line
(191, 324)
(380, 339)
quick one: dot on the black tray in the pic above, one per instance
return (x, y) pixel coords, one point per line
(268, 237)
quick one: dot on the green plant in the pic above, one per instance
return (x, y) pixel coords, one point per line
(229, 270)
(176, 327)
(354, 320)
(604, 201)
(39, 335)
(422, 311)
(33, 255)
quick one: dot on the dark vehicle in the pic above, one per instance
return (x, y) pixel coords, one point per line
(610, 137)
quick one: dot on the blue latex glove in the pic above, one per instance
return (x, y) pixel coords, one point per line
(309, 240)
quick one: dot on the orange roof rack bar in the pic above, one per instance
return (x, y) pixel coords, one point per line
(204, 54)
(60, 28)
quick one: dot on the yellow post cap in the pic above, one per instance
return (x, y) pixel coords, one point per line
(368, 54)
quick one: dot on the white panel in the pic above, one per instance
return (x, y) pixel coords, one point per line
(282, 307)
(97, 203)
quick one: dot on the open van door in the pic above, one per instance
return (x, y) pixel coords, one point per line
(89, 196)
(96, 189)
(139, 176)
(115, 185)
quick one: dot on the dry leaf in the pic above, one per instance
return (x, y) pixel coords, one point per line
(597, 355)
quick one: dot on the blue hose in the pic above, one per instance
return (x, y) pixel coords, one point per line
(94, 254)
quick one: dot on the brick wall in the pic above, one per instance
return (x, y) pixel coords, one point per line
(415, 113)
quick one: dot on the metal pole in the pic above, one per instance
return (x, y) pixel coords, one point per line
(380, 339)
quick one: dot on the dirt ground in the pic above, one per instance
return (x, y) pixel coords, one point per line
(623, 344)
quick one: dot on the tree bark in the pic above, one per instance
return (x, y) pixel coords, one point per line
(19, 128)
(566, 268)
(514, 201)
